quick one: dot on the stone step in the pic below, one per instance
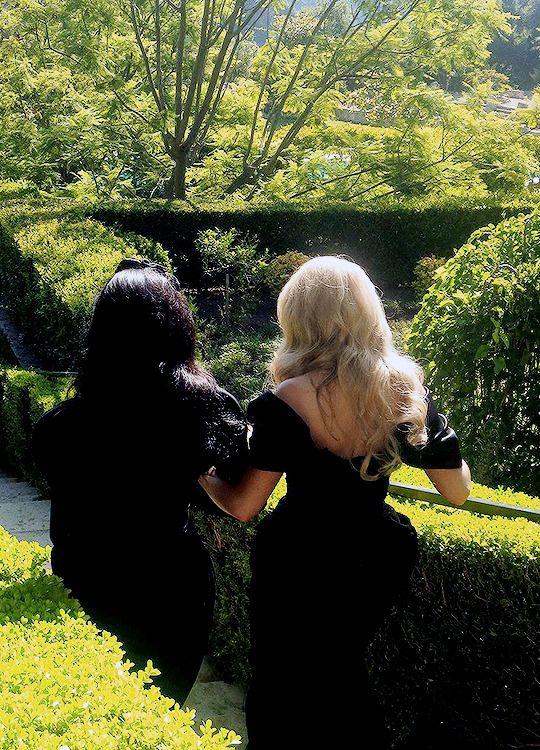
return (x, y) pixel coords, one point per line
(18, 493)
(220, 702)
(26, 517)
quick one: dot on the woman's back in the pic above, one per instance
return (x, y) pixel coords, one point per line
(123, 474)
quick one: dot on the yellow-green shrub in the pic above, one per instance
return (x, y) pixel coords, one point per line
(65, 685)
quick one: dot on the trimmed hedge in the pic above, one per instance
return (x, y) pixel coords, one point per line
(65, 684)
(462, 654)
(458, 666)
(53, 260)
(24, 397)
(388, 239)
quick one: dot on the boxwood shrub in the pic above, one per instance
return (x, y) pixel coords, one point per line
(53, 260)
(66, 685)
(458, 666)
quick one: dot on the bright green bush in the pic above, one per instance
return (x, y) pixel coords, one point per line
(24, 397)
(478, 328)
(52, 264)
(65, 684)
(281, 268)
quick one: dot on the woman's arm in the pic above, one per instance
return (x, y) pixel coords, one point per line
(244, 499)
(453, 484)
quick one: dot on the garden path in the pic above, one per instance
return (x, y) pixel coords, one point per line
(24, 513)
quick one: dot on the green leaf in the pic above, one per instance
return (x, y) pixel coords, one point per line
(500, 364)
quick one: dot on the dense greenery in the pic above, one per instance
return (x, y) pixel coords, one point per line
(123, 99)
(65, 684)
(442, 659)
(387, 240)
(478, 332)
(53, 260)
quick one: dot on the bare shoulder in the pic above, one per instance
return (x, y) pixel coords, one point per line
(296, 389)
(300, 394)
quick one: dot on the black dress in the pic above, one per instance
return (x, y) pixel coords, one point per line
(122, 476)
(328, 565)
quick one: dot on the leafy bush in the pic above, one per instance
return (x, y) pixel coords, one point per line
(16, 190)
(52, 267)
(280, 270)
(424, 274)
(388, 238)
(228, 254)
(65, 684)
(478, 328)
(239, 361)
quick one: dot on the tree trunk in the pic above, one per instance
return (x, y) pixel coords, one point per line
(179, 176)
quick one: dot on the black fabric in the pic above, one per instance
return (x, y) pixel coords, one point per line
(442, 448)
(328, 565)
(122, 477)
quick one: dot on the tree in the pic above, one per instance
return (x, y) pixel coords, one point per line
(159, 75)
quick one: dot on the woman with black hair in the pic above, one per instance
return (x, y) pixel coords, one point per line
(122, 458)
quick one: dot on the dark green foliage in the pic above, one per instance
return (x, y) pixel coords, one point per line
(478, 328)
(388, 239)
(239, 360)
(516, 54)
(24, 397)
(6, 355)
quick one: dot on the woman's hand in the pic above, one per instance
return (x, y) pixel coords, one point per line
(244, 499)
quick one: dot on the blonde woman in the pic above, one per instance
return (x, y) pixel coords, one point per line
(331, 560)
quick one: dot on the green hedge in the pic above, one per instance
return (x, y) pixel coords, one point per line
(462, 652)
(387, 239)
(65, 684)
(478, 330)
(53, 260)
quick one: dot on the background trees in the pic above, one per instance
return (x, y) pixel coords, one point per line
(175, 97)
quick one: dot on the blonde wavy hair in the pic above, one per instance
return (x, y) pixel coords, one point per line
(333, 322)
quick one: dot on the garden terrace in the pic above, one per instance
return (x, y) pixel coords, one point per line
(444, 658)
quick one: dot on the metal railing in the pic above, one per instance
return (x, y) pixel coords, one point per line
(472, 504)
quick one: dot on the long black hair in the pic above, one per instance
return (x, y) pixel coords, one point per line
(141, 338)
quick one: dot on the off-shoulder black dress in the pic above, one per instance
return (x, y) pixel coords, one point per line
(328, 565)
(122, 477)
